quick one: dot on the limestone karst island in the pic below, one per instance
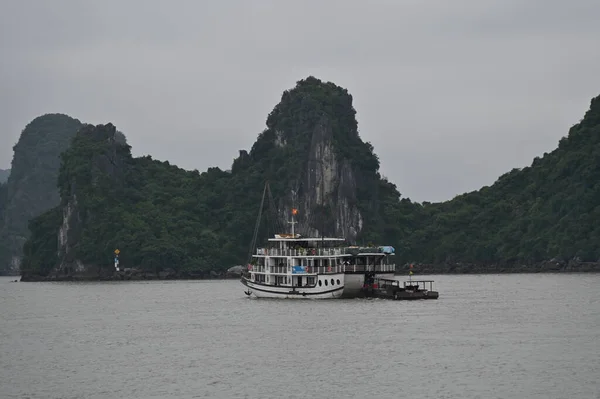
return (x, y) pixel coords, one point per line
(74, 194)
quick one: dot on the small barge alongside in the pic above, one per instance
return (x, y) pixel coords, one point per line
(391, 289)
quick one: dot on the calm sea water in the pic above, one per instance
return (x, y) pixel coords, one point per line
(488, 336)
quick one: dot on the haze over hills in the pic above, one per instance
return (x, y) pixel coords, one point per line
(184, 223)
(4, 175)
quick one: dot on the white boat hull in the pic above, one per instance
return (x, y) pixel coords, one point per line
(323, 291)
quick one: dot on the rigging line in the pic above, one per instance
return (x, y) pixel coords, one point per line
(323, 208)
(268, 224)
(306, 223)
(296, 205)
(271, 220)
(318, 217)
(313, 217)
(277, 224)
(305, 218)
(256, 226)
(334, 215)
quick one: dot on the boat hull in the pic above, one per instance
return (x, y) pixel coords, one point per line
(258, 290)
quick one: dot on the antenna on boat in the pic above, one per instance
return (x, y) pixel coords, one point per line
(294, 213)
(293, 222)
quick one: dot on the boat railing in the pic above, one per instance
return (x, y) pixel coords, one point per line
(302, 252)
(320, 251)
(385, 268)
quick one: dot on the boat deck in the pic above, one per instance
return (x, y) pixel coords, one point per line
(395, 289)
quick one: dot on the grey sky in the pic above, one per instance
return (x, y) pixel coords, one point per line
(451, 93)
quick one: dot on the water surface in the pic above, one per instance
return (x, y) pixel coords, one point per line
(488, 336)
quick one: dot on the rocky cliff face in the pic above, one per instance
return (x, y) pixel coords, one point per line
(326, 198)
(31, 187)
(322, 167)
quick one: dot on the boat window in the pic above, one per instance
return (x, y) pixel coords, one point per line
(338, 281)
(332, 282)
(326, 282)
(310, 281)
(320, 283)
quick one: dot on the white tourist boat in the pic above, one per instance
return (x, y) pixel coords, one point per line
(296, 267)
(314, 268)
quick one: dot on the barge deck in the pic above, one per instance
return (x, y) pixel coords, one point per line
(392, 289)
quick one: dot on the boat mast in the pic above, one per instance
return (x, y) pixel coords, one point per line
(294, 211)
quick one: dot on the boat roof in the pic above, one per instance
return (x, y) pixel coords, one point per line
(288, 237)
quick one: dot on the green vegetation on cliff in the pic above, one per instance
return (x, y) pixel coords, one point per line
(162, 217)
(544, 211)
(31, 188)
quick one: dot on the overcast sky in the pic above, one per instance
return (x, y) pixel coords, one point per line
(451, 93)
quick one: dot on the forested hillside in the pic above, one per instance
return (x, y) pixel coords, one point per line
(549, 210)
(164, 218)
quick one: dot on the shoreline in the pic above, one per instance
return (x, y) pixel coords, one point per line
(416, 276)
(552, 266)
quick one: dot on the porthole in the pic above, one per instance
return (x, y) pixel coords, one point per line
(325, 282)
(338, 281)
(320, 283)
(332, 282)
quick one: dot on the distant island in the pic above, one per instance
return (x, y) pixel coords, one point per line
(31, 189)
(171, 223)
